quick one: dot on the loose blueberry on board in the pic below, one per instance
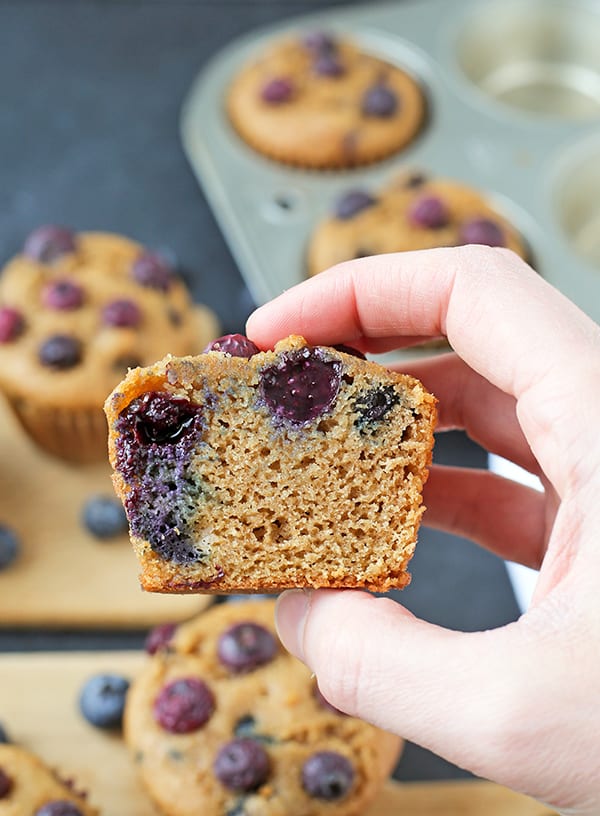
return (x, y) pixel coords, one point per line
(301, 386)
(184, 705)
(10, 547)
(6, 784)
(429, 211)
(49, 242)
(11, 324)
(277, 91)
(379, 101)
(327, 775)
(58, 807)
(237, 345)
(246, 646)
(62, 294)
(60, 352)
(159, 638)
(122, 313)
(152, 270)
(242, 765)
(102, 700)
(351, 203)
(482, 231)
(104, 517)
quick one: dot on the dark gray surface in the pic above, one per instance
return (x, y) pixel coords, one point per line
(90, 95)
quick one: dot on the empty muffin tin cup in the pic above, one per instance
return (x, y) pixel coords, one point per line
(541, 57)
(578, 202)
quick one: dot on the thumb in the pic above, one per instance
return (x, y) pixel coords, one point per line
(455, 693)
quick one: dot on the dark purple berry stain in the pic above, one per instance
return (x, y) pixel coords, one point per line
(235, 344)
(62, 294)
(429, 211)
(372, 406)
(327, 775)
(246, 646)
(379, 101)
(47, 243)
(60, 352)
(159, 638)
(277, 91)
(102, 700)
(122, 314)
(319, 42)
(242, 765)
(351, 203)
(152, 270)
(156, 437)
(328, 65)
(5, 784)
(11, 324)
(301, 386)
(184, 705)
(482, 231)
(58, 807)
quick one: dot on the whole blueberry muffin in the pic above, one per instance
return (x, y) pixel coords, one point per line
(248, 471)
(226, 717)
(413, 212)
(29, 788)
(77, 310)
(319, 101)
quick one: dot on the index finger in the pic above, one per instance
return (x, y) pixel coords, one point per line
(499, 315)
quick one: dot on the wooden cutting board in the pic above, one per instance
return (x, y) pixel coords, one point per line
(65, 577)
(38, 705)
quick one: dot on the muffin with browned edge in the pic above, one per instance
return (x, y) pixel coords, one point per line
(249, 471)
(77, 310)
(225, 721)
(319, 101)
(30, 788)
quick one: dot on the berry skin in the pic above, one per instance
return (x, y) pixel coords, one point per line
(430, 212)
(11, 324)
(372, 406)
(46, 244)
(482, 231)
(122, 314)
(351, 203)
(242, 765)
(327, 775)
(184, 705)
(246, 646)
(60, 352)
(277, 91)
(58, 807)
(159, 638)
(160, 419)
(379, 101)
(152, 270)
(235, 344)
(104, 517)
(102, 700)
(63, 295)
(10, 548)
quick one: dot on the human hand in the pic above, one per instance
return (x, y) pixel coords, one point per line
(516, 704)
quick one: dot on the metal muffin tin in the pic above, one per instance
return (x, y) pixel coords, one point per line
(514, 110)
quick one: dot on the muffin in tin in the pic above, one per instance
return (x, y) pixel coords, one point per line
(319, 101)
(77, 310)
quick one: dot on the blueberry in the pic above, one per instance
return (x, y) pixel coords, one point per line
(102, 700)
(160, 637)
(351, 203)
(245, 726)
(11, 324)
(4, 737)
(242, 765)
(61, 351)
(152, 270)
(277, 91)
(349, 350)
(9, 547)
(373, 405)
(159, 418)
(379, 101)
(122, 313)
(62, 294)
(184, 705)
(246, 646)
(301, 386)
(6, 784)
(482, 231)
(104, 517)
(327, 64)
(319, 42)
(235, 344)
(58, 807)
(47, 243)
(327, 775)
(429, 211)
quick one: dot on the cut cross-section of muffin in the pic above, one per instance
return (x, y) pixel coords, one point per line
(298, 467)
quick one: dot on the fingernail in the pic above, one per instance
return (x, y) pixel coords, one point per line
(290, 619)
